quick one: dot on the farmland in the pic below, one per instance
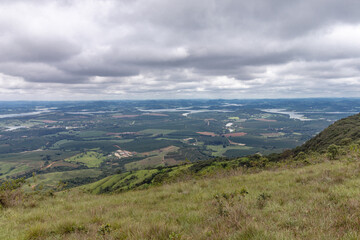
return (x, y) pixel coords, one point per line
(120, 136)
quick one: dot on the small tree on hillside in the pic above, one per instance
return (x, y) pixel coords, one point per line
(333, 151)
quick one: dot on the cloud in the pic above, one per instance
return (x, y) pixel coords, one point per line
(179, 49)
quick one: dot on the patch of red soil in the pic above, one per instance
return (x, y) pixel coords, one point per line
(207, 134)
(237, 134)
(265, 120)
(156, 114)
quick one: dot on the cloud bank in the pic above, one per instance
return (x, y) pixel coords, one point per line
(107, 49)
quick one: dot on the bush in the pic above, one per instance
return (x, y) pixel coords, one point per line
(333, 151)
(262, 200)
(10, 192)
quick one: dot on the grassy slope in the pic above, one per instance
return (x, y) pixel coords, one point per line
(344, 129)
(313, 202)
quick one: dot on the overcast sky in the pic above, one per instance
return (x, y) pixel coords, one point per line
(142, 49)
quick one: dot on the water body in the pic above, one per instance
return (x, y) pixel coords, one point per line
(292, 114)
(90, 113)
(299, 115)
(12, 115)
(11, 128)
(186, 110)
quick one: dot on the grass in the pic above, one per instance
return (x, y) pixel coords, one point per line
(59, 143)
(219, 150)
(18, 169)
(314, 202)
(51, 180)
(91, 159)
(88, 134)
(120, 182)
(6, 167)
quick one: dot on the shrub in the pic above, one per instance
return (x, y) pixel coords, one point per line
(262, 200)
(104, 229)
(10, 192)
(333, 151)
(225, 201)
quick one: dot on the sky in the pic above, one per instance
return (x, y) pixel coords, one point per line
(184, 49)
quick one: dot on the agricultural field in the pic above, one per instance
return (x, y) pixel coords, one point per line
(90, 159)
(46, 138)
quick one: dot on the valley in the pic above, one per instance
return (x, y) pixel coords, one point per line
(119, 136)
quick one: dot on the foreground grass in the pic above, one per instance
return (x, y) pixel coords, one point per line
(319, 201)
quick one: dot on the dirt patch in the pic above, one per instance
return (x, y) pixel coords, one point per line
(265, 120)
(156, 114)
(125, 116)
(237, 134)
(166, 149)
(48, 121)
(207, 134)
(235, 143)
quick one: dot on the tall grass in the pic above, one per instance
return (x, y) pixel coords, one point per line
(318, 201)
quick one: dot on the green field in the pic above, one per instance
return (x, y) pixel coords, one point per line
(157, 131)
(90, 159)
(51, 180)
(219, 151)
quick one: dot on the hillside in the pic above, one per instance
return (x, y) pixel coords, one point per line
(342, 132)
(265, 205)
(254, 197)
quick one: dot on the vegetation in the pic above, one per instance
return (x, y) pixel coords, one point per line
(342, 132)
(90, 159)
(75, 130)
(229, 205)
(253, 197)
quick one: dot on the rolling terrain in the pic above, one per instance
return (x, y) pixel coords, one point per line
(87, 141)
(309, 195)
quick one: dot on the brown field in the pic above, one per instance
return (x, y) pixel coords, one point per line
(165, 149)
(156, 114)
(235, 143)
(265, 120)
(154, 158)
(237, 134)
(207, 133)
(48, 121)
(125, 116)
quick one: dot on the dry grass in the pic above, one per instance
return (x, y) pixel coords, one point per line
(319, 201)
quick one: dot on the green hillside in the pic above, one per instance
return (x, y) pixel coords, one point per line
(319, 201)
(342, 132)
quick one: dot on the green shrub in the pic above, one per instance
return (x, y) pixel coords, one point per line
(104, 229)
(333, 151)
(10, 192)
(262, 199)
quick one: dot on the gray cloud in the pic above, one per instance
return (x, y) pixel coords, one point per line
(162, 49)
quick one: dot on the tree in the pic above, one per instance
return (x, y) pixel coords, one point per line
(333, 151)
